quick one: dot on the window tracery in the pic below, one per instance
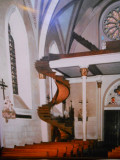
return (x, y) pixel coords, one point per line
(111, 24)
(112, 97)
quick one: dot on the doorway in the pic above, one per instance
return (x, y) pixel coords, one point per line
(112, 127)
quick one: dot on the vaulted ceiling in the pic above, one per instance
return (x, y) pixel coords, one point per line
(67, 25)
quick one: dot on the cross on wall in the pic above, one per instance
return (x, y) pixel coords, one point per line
(3, 86)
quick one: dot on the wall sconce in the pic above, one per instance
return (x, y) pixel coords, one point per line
(8, 111)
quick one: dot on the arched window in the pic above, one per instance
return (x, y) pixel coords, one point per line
(111, 24)
(19, 60)
(13, 62)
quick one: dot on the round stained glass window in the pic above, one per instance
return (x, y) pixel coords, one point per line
(111, 24)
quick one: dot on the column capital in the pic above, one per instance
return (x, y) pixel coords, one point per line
(99, 84)
(42, 76)
(84, 71)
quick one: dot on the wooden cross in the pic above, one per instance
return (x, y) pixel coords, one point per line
(3, 86)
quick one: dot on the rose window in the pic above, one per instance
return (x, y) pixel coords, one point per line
(111, 24)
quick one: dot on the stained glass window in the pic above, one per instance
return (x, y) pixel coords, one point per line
(13, 62)
(111, 24)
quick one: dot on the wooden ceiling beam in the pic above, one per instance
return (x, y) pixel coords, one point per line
(94, 70)
(84, 42)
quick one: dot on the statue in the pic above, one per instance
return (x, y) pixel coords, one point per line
(117, 90)
(8, 111)
(80, 114)
(112, 100)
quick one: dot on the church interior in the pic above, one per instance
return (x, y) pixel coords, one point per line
(60, 79)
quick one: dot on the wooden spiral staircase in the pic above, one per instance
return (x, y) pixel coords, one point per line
(63, 90)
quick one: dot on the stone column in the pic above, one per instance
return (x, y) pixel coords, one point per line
(84, 72)
(99, 84)
(42, 88)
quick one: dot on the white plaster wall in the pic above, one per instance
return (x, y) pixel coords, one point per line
(3, 64)
(91, 128)
(76, 97)
(20, 132)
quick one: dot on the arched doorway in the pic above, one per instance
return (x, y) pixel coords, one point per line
(112, 115)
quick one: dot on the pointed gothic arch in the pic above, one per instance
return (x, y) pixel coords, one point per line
(19, 35)
(53, 48)
(111, 104)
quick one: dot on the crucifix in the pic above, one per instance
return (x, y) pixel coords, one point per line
(3, 86)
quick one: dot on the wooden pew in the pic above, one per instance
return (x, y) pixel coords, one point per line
(88, 146)
(49, 152)
(29, 152)
(114, 155)
(51, 149)
(62, 152)
(69, 147)
(61, 148)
